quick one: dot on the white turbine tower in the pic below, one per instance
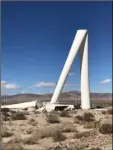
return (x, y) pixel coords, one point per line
(80, 43)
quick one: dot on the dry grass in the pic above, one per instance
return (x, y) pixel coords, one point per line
(18, 116)
(5, 132)
(5, 118)
(90, 125)
(95, 148)
(69, 127)
(30, 140)
(32, 122)
(82, 134)
(52, 118)
(41, 133)
(69, 147)
(110, 111)
(104, 112)
(29, 130)
(10, 123)
(6, 114)
(78, 119)
(13, 146)
(58, 137)
(64, 114)
(106, 128)
(79, 135)
(88, 116)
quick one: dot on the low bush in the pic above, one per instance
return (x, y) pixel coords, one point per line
(106, 128)
(52, 118)
(90, 125)
(79, 135)
(110, 111)
(12, 146)
(69, 127)
(5, 132)
(78, 119)
(64, 114)
(58, 137)
(18, 116)
(32, 122)
(88, 116)
(95, 148)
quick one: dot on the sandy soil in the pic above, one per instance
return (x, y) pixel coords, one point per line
(23, 129)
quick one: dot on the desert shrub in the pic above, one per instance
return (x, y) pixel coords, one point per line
(85, 134)
(32, 122)
(5, 113)
(78, 119)
(52, 118)
(44, 132)
(13, 146)
(69, 127)
(5, 109)
(90, 125)
(58, 137)
(18, 116)
(29, 130)
(110, 111)
(10, 123)
(104, 112)
(5, 118)
(95, 148)
(105, 128)
(88, 116)
(30, 140)
(17, 138)
(64, 114)
(82, 134)
(5, 132)
(59, 147)
(69, 147)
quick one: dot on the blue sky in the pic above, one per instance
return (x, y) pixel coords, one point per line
(36, 39)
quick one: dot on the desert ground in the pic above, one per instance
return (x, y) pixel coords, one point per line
(58, 130)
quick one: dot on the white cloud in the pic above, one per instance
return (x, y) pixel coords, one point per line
(49, 84)
(9, 86)
(105, 81)
(44, 84)
(3, 83)
(72, 74)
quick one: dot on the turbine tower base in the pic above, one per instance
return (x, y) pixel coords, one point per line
(51, 107)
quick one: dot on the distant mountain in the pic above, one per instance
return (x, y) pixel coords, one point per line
(65, 97)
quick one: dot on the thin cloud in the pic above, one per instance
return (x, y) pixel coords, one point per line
(49, 84)
(9, 86)
(72, 74)
(106, 81)
(44, 84)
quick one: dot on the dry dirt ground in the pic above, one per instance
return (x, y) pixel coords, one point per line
(71, 130)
